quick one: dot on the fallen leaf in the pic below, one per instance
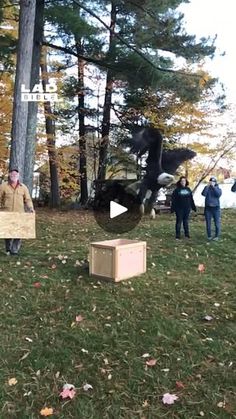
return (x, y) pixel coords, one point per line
(179, 384)
(28, 339)
(151, 362)
(145, 403)
(87, 387)
(146, 355)
(12, 381)
(201, 413)
(85, 351)
(169, 398)
(201, 267)
(79, 318)
(46, 411)
(109, 377)
(221, 404)
(208, 318)
(37, 284)
(68, 392)
(217, 304)
(53, 266)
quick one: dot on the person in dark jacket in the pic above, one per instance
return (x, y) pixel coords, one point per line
(212, 194)
(181, 203)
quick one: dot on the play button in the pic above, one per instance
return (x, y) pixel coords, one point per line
(117, 208)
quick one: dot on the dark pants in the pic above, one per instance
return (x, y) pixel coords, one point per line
(182, 216)
(212, 212)
(13, 245)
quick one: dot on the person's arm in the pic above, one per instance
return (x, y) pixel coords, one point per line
(28, 201)
(217, 191)
(173, 201)
(205, 190)
(1, 196)
(193, 206)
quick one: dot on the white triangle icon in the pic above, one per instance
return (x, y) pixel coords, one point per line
(116, 209)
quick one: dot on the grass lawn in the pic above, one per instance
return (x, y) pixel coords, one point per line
(160, 314)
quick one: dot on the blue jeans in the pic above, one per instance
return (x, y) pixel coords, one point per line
(212, 212)
(13, 245)
(182, 216)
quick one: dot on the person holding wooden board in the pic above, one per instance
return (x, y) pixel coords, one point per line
(14, 197)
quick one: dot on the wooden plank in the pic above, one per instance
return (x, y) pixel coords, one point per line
(17, 225)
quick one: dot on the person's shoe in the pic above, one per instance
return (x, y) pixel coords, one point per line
(14, 253)
(177, 238)
(8, 252)
(187, 237)
(209, 238)
(216, 238)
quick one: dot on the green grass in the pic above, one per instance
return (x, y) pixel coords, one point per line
(160, 313)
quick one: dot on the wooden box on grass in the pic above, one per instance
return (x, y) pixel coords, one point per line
(117, 259)
(17, 225)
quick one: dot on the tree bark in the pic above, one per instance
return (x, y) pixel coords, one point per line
(106, 121)
(82, 137)
(33, 106)
(23, 74)
(51, 140)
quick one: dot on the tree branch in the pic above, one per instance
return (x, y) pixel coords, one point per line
(71, 52)
(210, 168)
(138, 52)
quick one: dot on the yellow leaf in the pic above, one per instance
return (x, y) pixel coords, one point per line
(12, 381)
(46, 411)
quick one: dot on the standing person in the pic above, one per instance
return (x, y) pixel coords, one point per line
(14, 197)
(212, 194)
(181, 203)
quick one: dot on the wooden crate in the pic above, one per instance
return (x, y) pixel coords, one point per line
(117, 259)
(17, 225)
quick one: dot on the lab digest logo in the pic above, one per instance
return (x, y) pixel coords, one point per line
(38, 95)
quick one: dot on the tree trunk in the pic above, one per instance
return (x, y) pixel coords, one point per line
(106, 121)
(51, 140)
(33, 106)
(23, 72)
(82, 137)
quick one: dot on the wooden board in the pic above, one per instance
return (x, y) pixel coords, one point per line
(17, 225)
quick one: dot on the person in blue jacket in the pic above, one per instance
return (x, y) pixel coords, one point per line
(181, 203)
(212, 194)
